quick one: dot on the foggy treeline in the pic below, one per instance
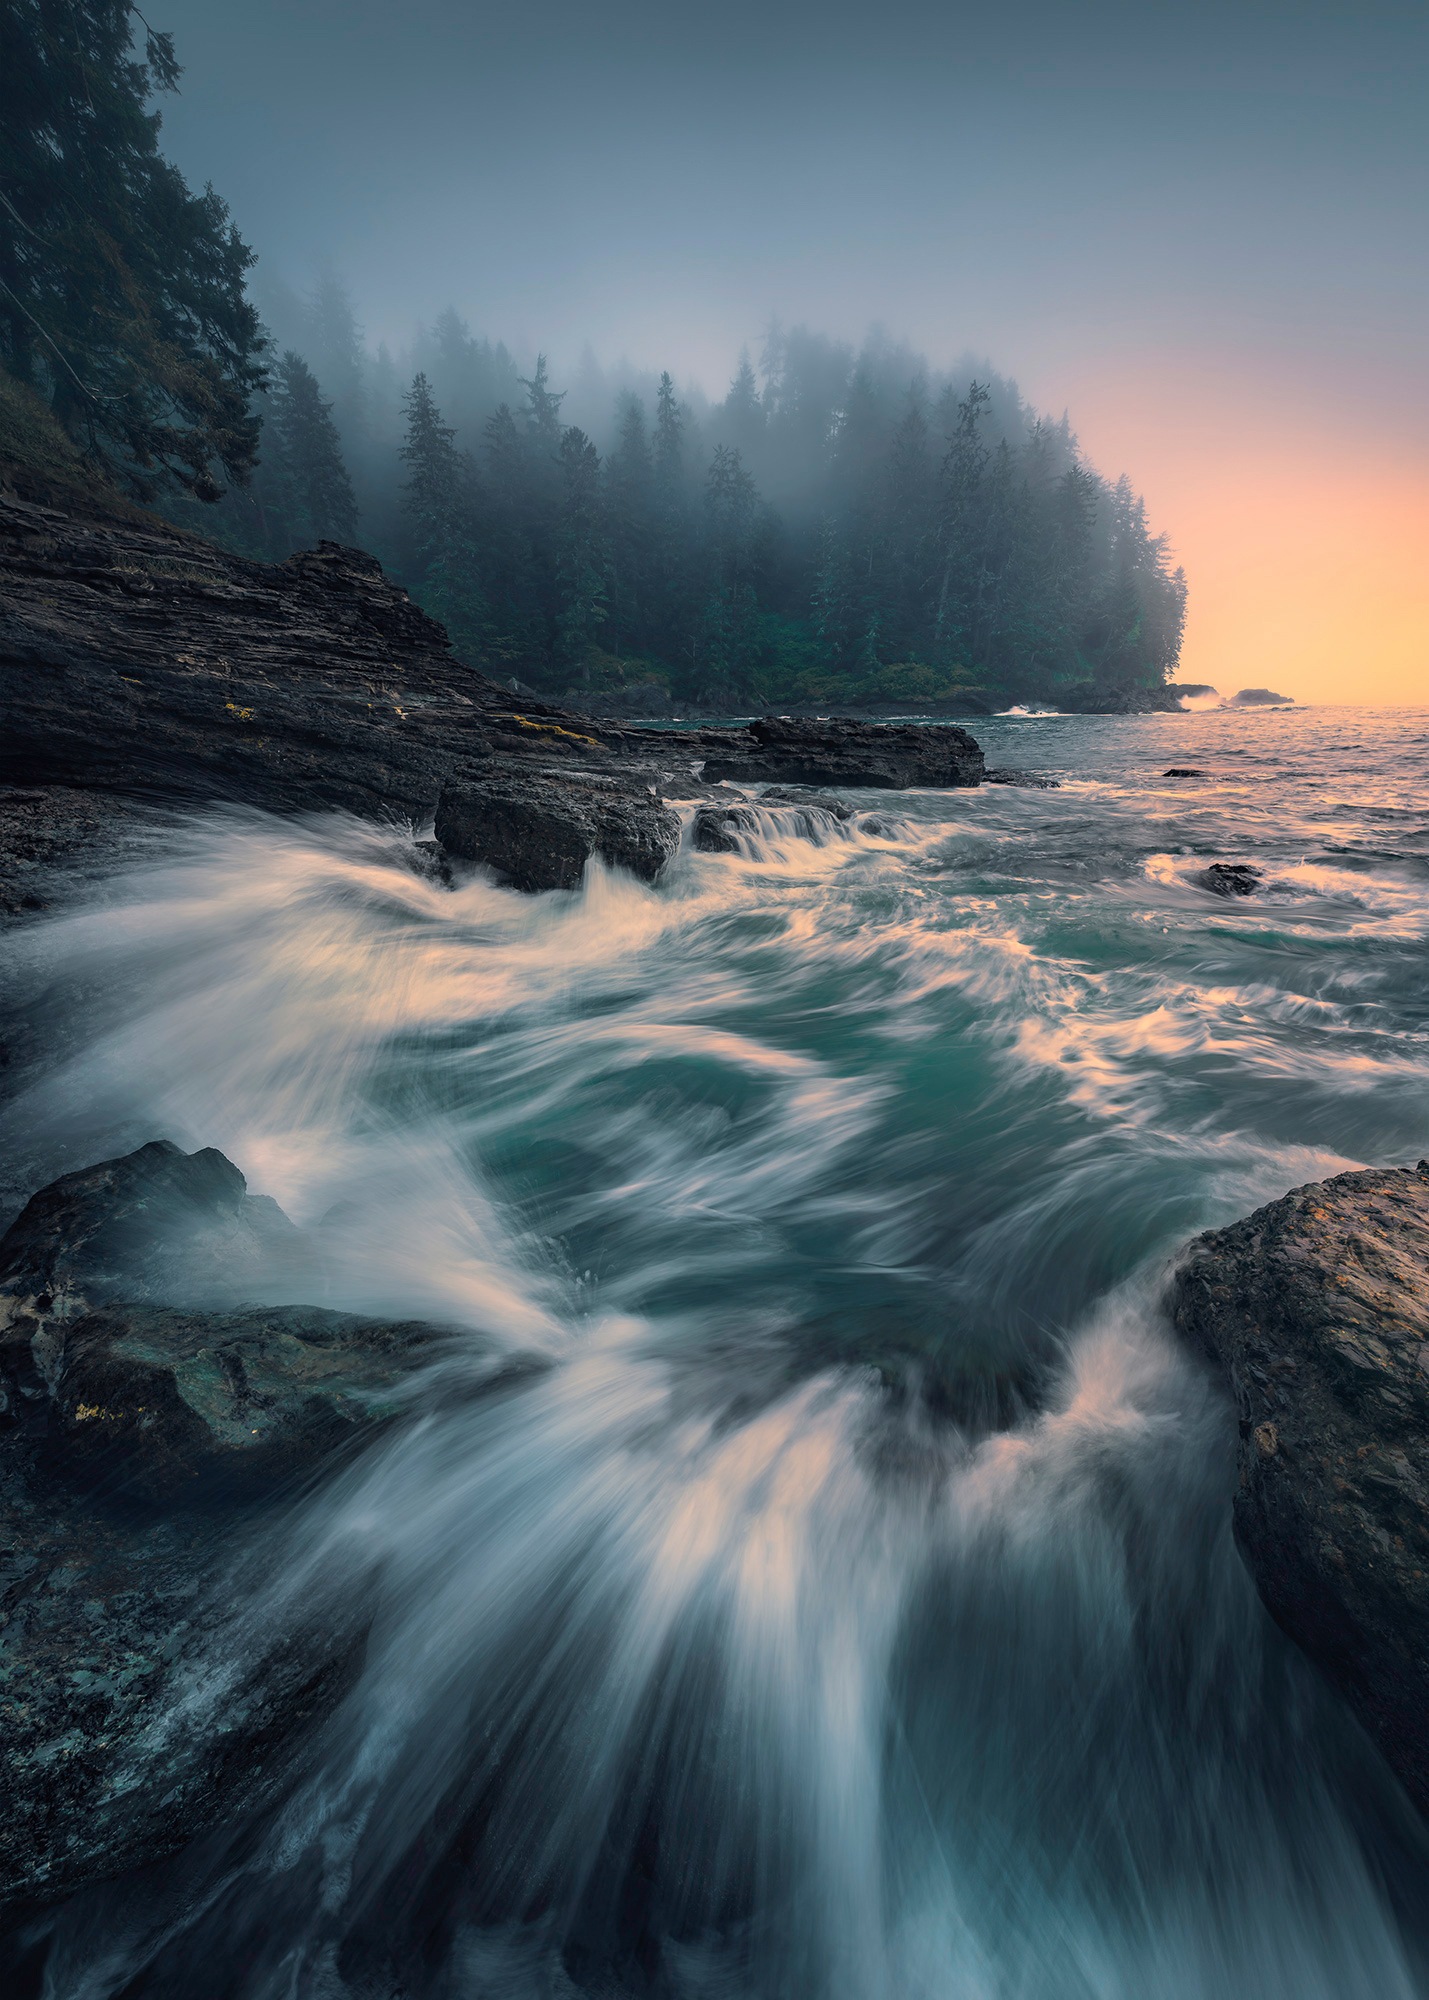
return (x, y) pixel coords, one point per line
(842, 528)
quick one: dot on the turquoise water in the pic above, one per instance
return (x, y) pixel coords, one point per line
(849, 1608)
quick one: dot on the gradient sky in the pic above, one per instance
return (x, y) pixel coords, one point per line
(1199, 228)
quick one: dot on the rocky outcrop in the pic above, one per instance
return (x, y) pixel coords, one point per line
(538, 833)
(157, 1224)
(139, 665)
(1316, 1311)
(1089, 699)
(142, 1446)
(889, 757)
(1230, 878)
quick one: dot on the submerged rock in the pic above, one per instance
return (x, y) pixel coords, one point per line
(1316, 1310)
(1230, 878)
(141, 1446)
(720, 829)
(889, 756)
(1032, 781)
(539, 831)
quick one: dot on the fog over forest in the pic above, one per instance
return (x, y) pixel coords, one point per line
(843, 527)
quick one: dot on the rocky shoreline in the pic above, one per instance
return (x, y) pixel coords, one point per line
(140, 665)
(160, 1395)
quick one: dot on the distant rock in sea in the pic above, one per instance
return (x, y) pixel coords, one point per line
(1260, 698)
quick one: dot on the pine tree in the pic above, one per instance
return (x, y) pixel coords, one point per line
(121, 293)
(439, 505)
(581, 553)
(630, 510)
(332, 344)
(312, 455)
(543, 409)
(731, 604)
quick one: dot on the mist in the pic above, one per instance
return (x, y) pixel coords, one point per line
(1194, 232)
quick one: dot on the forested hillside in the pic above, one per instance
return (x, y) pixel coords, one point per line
(843, 529)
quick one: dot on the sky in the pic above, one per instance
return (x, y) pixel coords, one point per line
(1200, 229)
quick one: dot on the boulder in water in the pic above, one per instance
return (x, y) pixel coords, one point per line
(156, 1223)
(1230, 878)
(539, 830)
(1316, 1311)
(140, 1444)
(1261, 698)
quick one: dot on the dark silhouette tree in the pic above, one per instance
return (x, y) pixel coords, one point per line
(121, 292)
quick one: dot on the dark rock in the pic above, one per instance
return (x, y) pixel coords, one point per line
(160, 1404)
(717, 829)
(1316, 1310)
(807, 795)
(1032, 781)
(101, 1612)
(1230, 878)
(141, 666)
(142, 1449)
(1261, 698)
(540, 833)
(890, 756)
(158, 1223)
(1183, 771)
(1087, 698)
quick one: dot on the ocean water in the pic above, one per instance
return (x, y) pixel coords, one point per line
(846, 1608)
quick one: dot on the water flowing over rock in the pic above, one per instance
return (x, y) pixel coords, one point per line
(141, 663)
(1231, 878)
(540, 833)
(139, 1445)
(1316, 1308)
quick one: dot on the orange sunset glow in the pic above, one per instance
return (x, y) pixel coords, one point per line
(1304, 541)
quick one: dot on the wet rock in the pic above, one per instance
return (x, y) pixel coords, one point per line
(891, 756)
(164, 1404)
(1230, 878)
(1316, 1311)
(1261, 698)
(1033, 781)
(1087, 698)
(102, 1612)
(157, 1223)
(807, 795)
(539, 833)
(811, 815)
(143, 1446)
(1183, 771)
(717, 829)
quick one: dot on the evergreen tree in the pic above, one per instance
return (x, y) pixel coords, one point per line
(581, 559)
(332, 344)
(731, 604)
(543, 409)
(439, 506)
(630, 508)
(121, 292)
(307, 441)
